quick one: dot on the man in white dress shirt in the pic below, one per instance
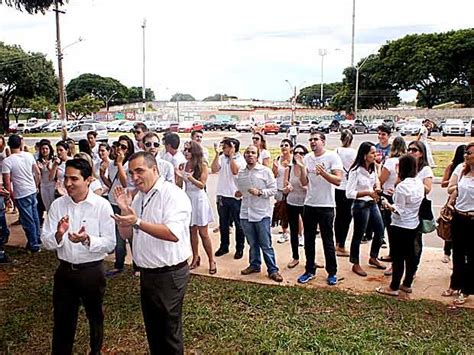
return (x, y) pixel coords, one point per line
(256, 185)
(80, 228)
(151, 142)
(158, 218)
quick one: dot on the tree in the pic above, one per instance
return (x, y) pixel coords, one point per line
(19, 106)
(311, 95)
(220, 97)
(32, 6)
(182, 97)
(135, 94)
(23, 74)
(107, 90)
(83, 106)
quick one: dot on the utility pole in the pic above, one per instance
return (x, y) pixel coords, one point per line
(62, 101)
(177, 105)
(322, 52)
(353, 31)
(143, 87)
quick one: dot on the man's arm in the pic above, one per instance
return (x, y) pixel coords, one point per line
(215, 167)
(7, 183)
(105, 241)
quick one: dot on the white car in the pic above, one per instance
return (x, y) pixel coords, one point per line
(374, 125)
(308, 125)
(244, 126)
(113, 126)
(163, 126)
(412, 127)
(151, 125)
(127, 126)
(54, 126)
(454, 127)
(80, 131)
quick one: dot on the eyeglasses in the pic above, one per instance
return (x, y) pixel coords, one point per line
(467, 152)
(149, 144)
(284, 145)
(300, 153)
(256, 138)
(123, 146)
(412, 150)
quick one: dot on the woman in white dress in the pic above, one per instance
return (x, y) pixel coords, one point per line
(45, 165)
(194, 175)
(423, 137)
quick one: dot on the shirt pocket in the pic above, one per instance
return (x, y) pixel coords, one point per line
(91, 225)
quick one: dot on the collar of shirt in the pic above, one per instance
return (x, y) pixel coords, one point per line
(89, 199)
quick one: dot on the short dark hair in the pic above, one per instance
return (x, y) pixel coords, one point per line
(193, 132)
(321, 135)
(150, 159)
(231, 141)
(82, 165)
(14, 141)
(141, 125)
(92, 133)
(151, 135)
(384, 128)
(407, 167)
(172, 139)
(286, 140)
(105, 145)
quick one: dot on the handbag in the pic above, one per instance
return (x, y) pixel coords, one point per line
(427, 220)
(443, 228)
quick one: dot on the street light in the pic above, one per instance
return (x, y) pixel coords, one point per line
(107, 104)
(322, 52)
(143, 87)
(358, 68)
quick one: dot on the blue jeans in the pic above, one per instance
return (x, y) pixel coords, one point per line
(120, 246)
(29, 220)
(365, 212)
(259, 237)
(228, 209)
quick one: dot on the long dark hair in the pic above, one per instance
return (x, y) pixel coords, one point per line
(131, 147)
(51, 151)
(423, 161)
(263, 142)
(197, 158)
(84, 147)
(302, 147)
(457, 159)
(364, 149)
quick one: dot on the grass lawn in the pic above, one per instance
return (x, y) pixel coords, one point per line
(229, 316)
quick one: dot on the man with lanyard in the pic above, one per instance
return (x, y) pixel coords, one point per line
(228, 163)
(321, 172)
(80, 228)
(158, 218)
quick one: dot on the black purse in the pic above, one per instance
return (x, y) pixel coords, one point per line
(427, 220)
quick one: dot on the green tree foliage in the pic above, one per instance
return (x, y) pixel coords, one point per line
(32, 6)
(108, 90)
(311, 95)
(182, 97)
(220, 97)
(440, 66)
(23, 75)
(135, 94)
(83, 106)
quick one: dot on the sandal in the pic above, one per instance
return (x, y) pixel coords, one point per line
(461, 299)
(450, 292)
(213, 269)
(387, 291)
(195, 263)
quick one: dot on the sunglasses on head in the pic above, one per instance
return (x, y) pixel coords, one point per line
(154, 144)
(412, 150)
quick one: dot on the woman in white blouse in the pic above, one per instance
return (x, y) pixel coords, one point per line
(263, 154)
(404, 226)
(363, 187)
(461, 189)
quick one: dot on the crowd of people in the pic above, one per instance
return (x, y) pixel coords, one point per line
(90, 199)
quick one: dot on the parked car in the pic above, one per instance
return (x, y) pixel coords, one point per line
(355, 126)
(454, 127)
(173, 127)
(163, 126)
(399, 124)
(224, 124)
(375, 124)
(127, 126)
(324, 126)
(53, 126)
(412, 127)
(210, 126)
(39, 127)
(285, 125)
(113, 126)
(151, 125)
(80, 131)
(270, 127)
(244, 126)
(189, 126)
(308, 125)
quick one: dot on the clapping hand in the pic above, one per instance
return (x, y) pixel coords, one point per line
(254, 191)
(79, 237)
(299, 160)
(123, 198)
(319, 169)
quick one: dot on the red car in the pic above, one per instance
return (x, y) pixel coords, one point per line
(189, 126)
(270, 127)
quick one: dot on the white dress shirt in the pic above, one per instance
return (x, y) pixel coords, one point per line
(226, 186)
(94, 213)
(165, 169)
(361, 180)
(176, 160)
(164, 204)
(407, 200)
(255, 208)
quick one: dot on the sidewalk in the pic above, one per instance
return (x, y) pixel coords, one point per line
(431, 280)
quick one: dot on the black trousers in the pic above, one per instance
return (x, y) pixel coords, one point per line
(463, 254)
(162, 297)
(294, 213)
(402, 251)
(324, 216)
(71, 289)
(343, 217)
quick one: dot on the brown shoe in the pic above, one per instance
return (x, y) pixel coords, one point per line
(249, 270)
(293, 263)
(358, 270)
(276, 277)
(406, 289)
(342, 252)
(374, 262)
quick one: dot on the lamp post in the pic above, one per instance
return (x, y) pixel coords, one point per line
(59, 53)
(107, 104)
(322, 52)
(293, 99)
(358, 68)
(177, 105)
(143, 87)
(353, 31)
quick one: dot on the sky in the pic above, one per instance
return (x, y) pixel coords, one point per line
(248, 49)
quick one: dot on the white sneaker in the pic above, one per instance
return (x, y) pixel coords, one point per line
(301, 240)
(283, 238)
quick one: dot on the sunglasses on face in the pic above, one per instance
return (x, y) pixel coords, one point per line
(467, 152)
(137, 132)
(412, 150)
(154, 144)
(300, 153)
(123, 146)
(187, 150)
(284, 145)
(314, 139)
(256, 138)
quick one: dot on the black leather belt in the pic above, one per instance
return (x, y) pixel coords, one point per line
(82, 266)
(160, 270)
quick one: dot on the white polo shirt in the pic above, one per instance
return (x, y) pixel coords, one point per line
(94, 213)
(164, 204)
(226, 185)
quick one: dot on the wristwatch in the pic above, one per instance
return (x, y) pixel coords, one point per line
(136, 225)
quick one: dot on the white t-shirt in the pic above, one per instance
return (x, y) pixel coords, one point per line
(293, 131)
(465, 199)
(226, 184)
(320, 192)
(20, 167)
(391, 165)
(407, 200)
(347, 156)
(264, 154)
(176, 159)
(424, 173)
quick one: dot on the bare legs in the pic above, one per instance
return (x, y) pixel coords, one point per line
(207, 245)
